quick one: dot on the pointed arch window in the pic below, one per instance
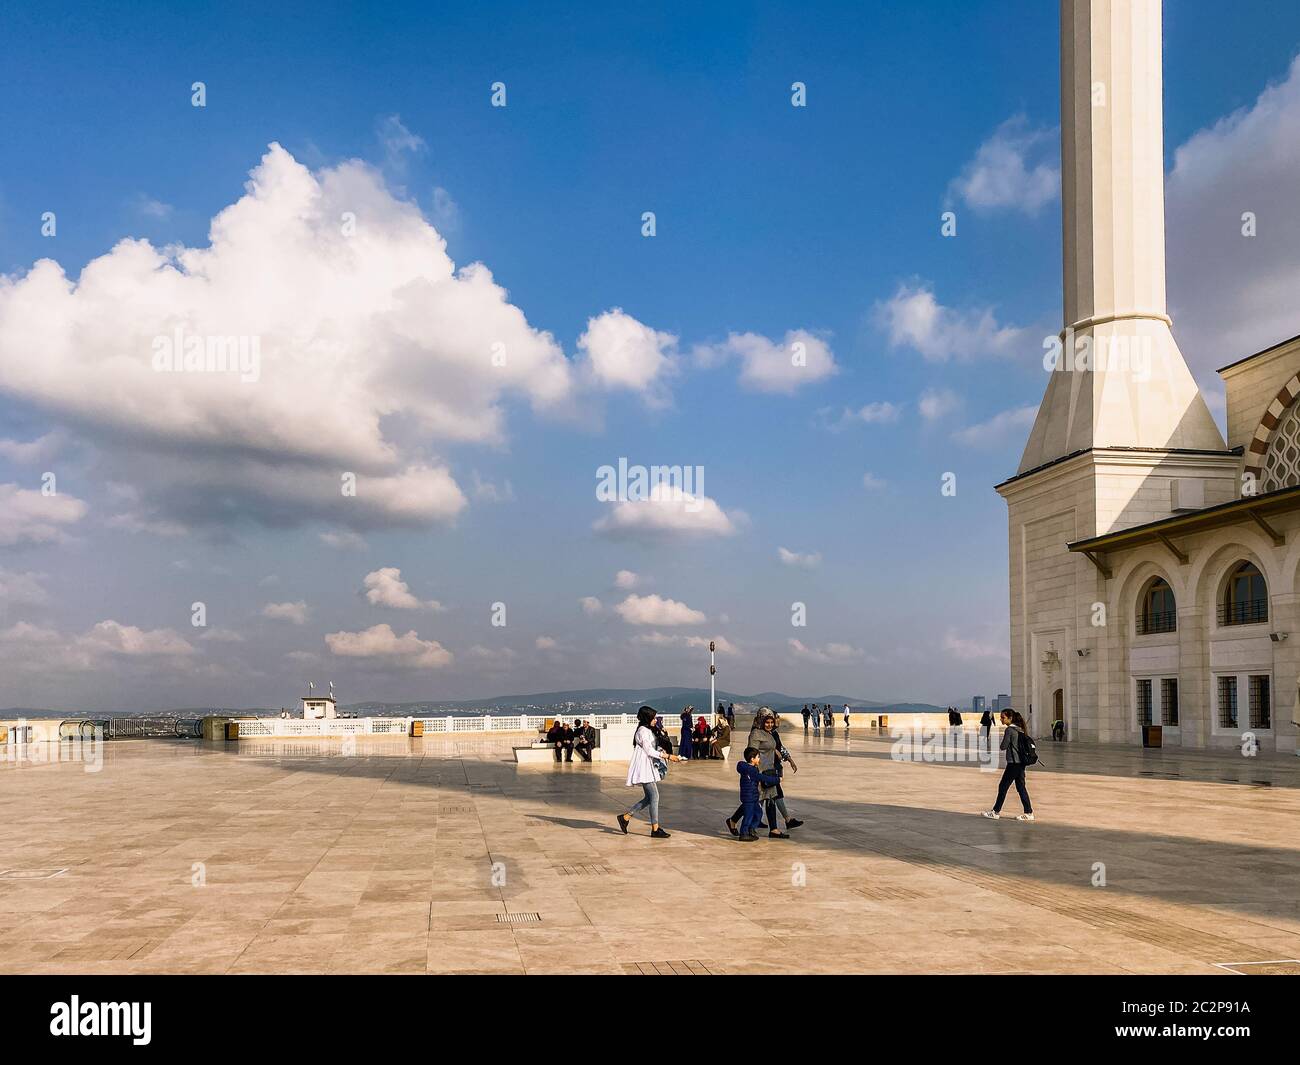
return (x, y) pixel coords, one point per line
(1157, 611)
(1245, 598)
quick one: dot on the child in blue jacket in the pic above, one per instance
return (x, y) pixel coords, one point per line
(750, 778)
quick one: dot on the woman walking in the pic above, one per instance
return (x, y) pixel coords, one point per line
(648, 766)
(688, 724)
(763, 738)
(1017, 744)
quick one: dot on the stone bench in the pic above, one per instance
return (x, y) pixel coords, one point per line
(541, 752)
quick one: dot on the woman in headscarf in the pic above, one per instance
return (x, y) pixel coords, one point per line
(763, 738)
(648, 766)
(721, 735)
(700, 740)
(688, 724)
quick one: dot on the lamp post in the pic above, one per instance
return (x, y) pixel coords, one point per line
(713, 670)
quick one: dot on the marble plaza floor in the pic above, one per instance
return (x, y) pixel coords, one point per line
(409, 856)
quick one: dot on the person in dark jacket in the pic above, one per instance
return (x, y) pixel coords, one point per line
(751, 777)
(806, 715)
(1014, 773)
(584, 740)
(986, 727)
(555, 735)
(731, 715)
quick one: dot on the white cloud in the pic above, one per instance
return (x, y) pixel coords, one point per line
(1232, 295)
(343, 539)
(28, 516)
(802, 358)
(488, 492)
(546, 643)
(797, 560)
(1015, 169)
(830, 654)
(591, 606)
(118, 639)
(871, 482)
(397, 141)
(626, 579)
(654, 610)
(29, 648)
(624, 354)
(913, 318)
(879, 413)
(152, 208)
(372, 346)
(381, 644)
(220, 635)
(669, 513)
(938, 403)
(295, 612)
(694, 643)
(21, 589)
(1003, 425)
(32, 452)
(969, 650)
(385, 587)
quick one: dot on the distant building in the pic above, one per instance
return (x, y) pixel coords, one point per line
(977, 704)
(315, 707)
(1002, 702)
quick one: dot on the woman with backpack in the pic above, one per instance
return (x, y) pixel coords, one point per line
(648, 766)
(1021, 753)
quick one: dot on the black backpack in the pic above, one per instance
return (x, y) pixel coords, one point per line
(1026, 748)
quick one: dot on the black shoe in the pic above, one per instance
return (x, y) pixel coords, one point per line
(751, 838)
(778, 835)
(731, 827)
(623, 822)
(659, 833)
(794, 822)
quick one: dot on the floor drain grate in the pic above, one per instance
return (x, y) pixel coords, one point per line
(519, 918)
(443, 810)
(583, 870)
(31, 874)
(689, 967)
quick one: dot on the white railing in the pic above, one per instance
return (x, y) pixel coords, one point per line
(252, 727)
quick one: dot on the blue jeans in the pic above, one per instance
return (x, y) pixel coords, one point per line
(750, 818)
(650, 801)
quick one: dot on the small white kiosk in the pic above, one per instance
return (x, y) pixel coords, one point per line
(318, 707)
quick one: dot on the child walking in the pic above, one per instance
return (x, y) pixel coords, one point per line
(750, 778)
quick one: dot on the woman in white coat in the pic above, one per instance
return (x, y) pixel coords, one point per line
(647, 767)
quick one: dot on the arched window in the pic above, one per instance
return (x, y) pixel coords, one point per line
(1245, 599)
(1156, 611)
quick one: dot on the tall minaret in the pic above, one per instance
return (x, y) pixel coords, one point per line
(1137, 391)
(1124, 438)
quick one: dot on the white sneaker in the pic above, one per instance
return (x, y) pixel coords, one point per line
(1025, 817)
(991, 813)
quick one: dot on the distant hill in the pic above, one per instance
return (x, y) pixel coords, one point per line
(628, 700)
(585, 700)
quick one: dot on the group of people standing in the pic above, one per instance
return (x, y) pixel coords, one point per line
(823, 715)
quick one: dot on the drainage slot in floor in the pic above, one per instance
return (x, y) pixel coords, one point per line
(519, 918)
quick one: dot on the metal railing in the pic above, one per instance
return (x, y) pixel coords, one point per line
(1159, 621)
(149, 727)
(1243, 612)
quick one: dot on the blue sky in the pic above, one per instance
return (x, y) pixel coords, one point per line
(820, 221)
